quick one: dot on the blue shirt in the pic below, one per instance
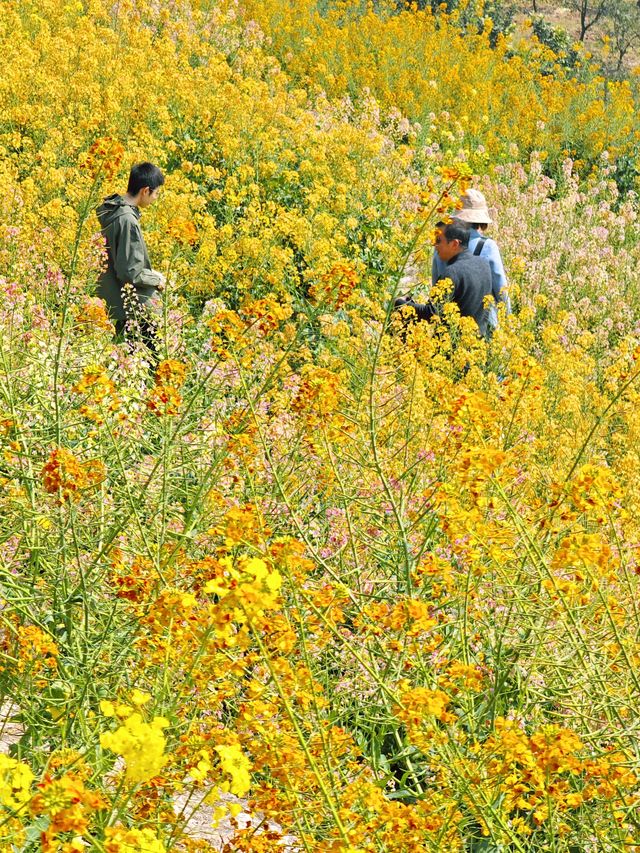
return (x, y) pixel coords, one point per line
(490, 252)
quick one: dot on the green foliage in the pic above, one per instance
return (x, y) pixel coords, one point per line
(495, 16)
(626, 174)
(557, 40)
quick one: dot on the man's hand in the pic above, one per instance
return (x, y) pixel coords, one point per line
(162, 280)
(403, 300)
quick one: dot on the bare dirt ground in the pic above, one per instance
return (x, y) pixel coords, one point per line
(10, 732)
(199, 825)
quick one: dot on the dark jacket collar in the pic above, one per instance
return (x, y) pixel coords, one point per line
(463, 254)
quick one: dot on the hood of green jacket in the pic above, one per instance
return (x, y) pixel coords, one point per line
(114, 207)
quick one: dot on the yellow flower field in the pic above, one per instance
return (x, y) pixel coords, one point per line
(375, 586)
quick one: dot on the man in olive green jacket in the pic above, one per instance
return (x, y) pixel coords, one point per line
(128, 259)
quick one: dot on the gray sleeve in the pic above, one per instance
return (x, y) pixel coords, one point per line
(130, 260)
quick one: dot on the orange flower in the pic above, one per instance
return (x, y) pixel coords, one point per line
(69, 806)
(268, 313)
(171, 372)
(183, 230)
(37, 649)
(164, 400)
(318, 392)
(63, 474)
(104, 156)
(93, 314)
(335, 286)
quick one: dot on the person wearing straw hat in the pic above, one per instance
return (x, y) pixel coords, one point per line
(475, 213)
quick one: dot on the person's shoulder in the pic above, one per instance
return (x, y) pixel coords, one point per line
(492, 245)
(118, 205)
(114, 202)
(491, 249)
(474, 265)
(454, 272)
(127, 217)
(114, 213)
(108, 204)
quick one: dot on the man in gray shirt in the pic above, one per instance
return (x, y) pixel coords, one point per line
(128, 259)
(469, 274)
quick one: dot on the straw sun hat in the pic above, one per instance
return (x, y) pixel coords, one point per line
(474, 208)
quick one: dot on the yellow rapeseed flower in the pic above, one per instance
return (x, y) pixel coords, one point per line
(141, 745)
(15, 782)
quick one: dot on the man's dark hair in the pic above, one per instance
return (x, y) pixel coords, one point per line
(144, 175)
(457, 230)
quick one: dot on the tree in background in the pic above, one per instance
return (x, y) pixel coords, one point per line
(589, 13)
(614, 24)
(622, 32)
